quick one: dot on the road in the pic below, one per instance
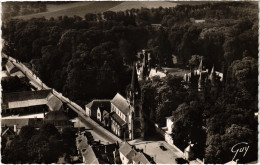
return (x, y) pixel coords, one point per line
(98, 130)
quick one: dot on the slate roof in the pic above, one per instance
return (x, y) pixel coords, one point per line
(25, 95)
(139, 158)
(19, 74)
(121, 103)
(101, 104)
(11, 122)
(131, 155)
(31, 98)
(54, 103)
(21, 122)
(125, 148)
(118, 119)
(56, 115)
(89, 155)
(9, 66)
(82, 142)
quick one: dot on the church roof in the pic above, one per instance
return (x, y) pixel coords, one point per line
(121, 103)
(118, 119)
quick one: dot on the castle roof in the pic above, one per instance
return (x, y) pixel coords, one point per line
(201, 65)
(121, 103)
(212, 76)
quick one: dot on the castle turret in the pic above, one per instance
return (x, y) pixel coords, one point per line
(213, 84)
(212, 77)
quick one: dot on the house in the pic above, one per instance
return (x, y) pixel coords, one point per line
(85, 150)
(93, 152)
(96, 108)
(126, 152)
(129, 155)
(58, 119)
(17, 124)
(29, 100)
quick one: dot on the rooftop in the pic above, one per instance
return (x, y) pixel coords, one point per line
(118, 119)
(125, 148)
(140, 159)
(121, 103)
(101, 104)
(56, 115)
(31, 98)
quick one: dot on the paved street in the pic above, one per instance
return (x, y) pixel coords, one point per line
(98, 132)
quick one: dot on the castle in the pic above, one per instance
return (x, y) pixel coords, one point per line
(206, 84)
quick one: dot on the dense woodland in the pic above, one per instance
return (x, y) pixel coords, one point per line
(91, 57)
(45, 145)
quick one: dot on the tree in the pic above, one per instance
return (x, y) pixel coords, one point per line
(195, 61)
(48, 130)
(27, 132)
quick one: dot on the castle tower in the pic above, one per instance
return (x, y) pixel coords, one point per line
(213, 84)
(136, 123)
(200, 68)
(145, 65)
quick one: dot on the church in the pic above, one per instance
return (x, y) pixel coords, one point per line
(126, 113)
